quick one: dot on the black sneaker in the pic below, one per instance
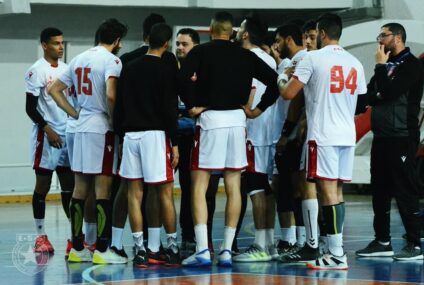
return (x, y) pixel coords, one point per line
(156, 258)
(376, 249)
(140, 259)
(120, 252)
(187, 248)
(409, 252)
(284, 247)
(173, 259)
(305, 254)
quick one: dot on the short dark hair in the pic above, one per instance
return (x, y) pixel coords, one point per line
(159, 35)
(192, 33)
(269, 39)
(256, 28)
(49, 32)
(396, 29)
(223, 16)
(331, 24)
(149, 22)
(291, 30)
(310, 25)
(109, 31)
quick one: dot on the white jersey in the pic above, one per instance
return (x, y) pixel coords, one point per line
(37, 79)
(71, 123)
(333, 78)
(88, 72)
(260, 130)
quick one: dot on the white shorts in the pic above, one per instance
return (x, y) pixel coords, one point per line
(95, 154)
(43, 155)
(330, 162)
(219, 149)
(147, 155)
(70, 145)
(258, 158)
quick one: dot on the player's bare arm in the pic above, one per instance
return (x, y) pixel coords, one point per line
(56, 91)
(291, 89)
(111, 87)
(196, 111)
(175, 156)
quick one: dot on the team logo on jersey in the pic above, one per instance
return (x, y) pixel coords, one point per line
(403, 158)
(194, 77)
(109, 148)
(25, 259)
(311, 148)
(249, 147)
(117, 61)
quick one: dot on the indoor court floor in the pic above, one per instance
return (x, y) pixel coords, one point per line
(19, 265)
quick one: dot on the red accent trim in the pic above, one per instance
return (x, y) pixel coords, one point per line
(39, 149)
(420, 151)
(253, 87)
(343, 180)
(160, 182)
(108, 154)
(133, 179)
(54, 65)
(295, 77)
(195, 150)
(168, 162)
(363, 124)
(312, 160)
(29, 94)
(250, 153)
(230, 168)
(91, 174)
(325, 178)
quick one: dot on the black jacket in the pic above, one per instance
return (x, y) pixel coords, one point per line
(396, 97)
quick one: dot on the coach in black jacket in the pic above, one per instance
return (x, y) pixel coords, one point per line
(394, 93)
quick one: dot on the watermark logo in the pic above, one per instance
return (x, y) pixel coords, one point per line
(25, 259)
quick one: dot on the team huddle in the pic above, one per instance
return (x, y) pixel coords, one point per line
(250, 106)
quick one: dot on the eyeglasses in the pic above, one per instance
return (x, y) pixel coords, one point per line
(382, 36)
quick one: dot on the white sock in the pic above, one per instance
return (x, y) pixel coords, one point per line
(201, 233)
(289, 235)
(138, 240)
(310, 218)
(229, 234)
(269, 237)
(153, 242)
(172, 241)
(384, 243)
(90, 233)
(335, 244)
(39, 226)
(300, 236)
(117, 237)
(260, 238)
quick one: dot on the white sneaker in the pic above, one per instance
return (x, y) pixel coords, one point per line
(108, 257)
(273, 251)
(329, 261)
(255, 253)
(198, 259)
(83, 255)
(225, 258)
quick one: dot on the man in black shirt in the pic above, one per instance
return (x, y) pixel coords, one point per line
(150, 150)
(395, 93)
(216, 78)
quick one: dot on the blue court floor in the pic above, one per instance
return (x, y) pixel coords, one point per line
(19, 265)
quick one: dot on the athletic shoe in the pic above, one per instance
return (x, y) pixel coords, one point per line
(42, 244)
(409, 252)
(374, 249)
(224, 258)
(273, 251)
(202, 258)
(187, 248)
(157, 258)
(68, 248)
(140, 259)
(78, 256)
(255, 253)
(329, 262)
(322, 245)
(91, 248)
(108, 257)
(120, 252)
(173, 258)
(284, 247)
(305, 254)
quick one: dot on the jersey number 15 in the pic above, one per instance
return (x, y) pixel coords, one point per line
(338, 82)
(85, 86)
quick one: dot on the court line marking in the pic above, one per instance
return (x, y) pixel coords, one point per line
(86, 275)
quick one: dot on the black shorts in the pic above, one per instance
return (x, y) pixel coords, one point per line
(255, 181)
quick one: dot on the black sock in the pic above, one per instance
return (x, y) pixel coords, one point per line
(66, 201)
(333, 217)
(104, 229)
(298, 215)
(76, 210)
(38, 205)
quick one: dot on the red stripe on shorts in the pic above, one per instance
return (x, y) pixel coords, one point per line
(195, 150)
(250, 152)
(312, 159)
(108, 153)
(38, 149)
(169, 170)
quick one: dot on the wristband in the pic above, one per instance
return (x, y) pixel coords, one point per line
(282, 79)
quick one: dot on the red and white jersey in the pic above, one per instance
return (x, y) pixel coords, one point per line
(88, 72)
(260, 130)
(37, 79)
(333, 78)
(71, 123)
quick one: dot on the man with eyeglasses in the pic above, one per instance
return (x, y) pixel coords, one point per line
(395, 92)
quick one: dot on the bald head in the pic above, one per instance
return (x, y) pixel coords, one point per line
(222, 25)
